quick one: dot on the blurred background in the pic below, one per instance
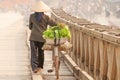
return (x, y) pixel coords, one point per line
(105, 12)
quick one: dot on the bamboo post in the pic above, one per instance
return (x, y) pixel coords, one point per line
(111, 62)
(78, 47)
(86, 53)
(74, 37)
(96, 59)
(82, 50)
(75, 45)
(101, 48)
(105, 62)
(91, 55)
(118, 62)
(71, 40)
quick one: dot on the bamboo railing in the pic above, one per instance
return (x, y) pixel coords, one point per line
(96, 48)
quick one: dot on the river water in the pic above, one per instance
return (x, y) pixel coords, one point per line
(105, 12)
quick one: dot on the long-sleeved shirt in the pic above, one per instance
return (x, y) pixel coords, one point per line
(37, 28)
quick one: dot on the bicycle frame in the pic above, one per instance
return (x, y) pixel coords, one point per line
(55, 57)
(56, 61)
(56, 52)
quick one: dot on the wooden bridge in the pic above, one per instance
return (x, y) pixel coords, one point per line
(96, 48)
(95, 54)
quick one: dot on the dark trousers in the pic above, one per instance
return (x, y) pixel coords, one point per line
(37, 54)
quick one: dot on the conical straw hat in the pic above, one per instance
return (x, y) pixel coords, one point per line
(40, 7)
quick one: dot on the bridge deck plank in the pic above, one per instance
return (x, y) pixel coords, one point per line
(65, 73)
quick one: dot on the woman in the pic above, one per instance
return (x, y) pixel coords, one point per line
(38, 23)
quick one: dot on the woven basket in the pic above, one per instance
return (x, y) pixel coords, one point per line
(47, 47)
(63, 47)
(51, 41)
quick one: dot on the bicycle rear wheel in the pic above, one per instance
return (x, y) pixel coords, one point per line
(57, 66)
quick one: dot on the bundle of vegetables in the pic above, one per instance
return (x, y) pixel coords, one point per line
(60, 31)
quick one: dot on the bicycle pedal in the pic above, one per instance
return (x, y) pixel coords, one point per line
(50, 70)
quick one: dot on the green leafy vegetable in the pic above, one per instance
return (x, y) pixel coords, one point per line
(59, 31)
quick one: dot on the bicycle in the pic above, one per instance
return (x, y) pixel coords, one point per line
(56, 42)
(56, 56)
(56, 61)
